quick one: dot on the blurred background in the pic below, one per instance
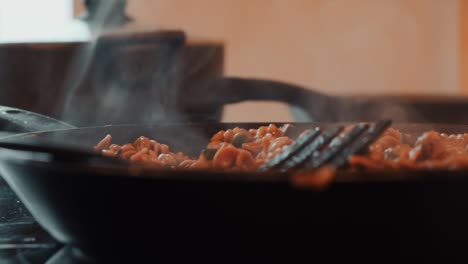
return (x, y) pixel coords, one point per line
(336, 46)
(402, 47)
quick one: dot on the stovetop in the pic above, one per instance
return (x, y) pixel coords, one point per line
(22, 240)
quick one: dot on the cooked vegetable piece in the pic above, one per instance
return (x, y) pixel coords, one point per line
(239, 139)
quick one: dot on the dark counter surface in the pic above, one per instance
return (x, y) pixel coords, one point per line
(22, 240)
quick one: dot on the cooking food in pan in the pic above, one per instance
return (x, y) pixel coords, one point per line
(235, 149)
(239, 149)
(430, 150)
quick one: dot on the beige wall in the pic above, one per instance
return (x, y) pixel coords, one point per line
(463, 45)
(335, 46)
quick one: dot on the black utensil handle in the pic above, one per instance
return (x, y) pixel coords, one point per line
(229, 90)
(17, 120)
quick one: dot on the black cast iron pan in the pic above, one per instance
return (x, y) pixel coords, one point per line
(113, 211)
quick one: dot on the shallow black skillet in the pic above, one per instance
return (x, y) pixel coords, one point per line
(112, 210)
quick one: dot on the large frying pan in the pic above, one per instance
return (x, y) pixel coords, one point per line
(111, 210)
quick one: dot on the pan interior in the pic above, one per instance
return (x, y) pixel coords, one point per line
(192, 138)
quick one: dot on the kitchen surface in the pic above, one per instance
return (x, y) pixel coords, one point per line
(22, 240)
(75, 71)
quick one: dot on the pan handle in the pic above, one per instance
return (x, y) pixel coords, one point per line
(306, 105)
(312, 105)
(15, 120)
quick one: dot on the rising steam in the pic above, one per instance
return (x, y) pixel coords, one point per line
(81, 63)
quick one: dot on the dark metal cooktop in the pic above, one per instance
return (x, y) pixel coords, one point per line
(21, 238)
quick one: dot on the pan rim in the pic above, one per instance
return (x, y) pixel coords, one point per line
(138, 171)
(341, 176)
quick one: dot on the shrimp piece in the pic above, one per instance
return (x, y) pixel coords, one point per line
(140, 155)
(164, 149)
(168, 160)
(218, 136)
(279, 143)
(229, 135)
(128, 154)
(225, 157)
(254, 147)
(261, 132)
(202, 163)
(109, 153)
(186, 164)
(142, 142)
(245, 161)
(104, 143)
